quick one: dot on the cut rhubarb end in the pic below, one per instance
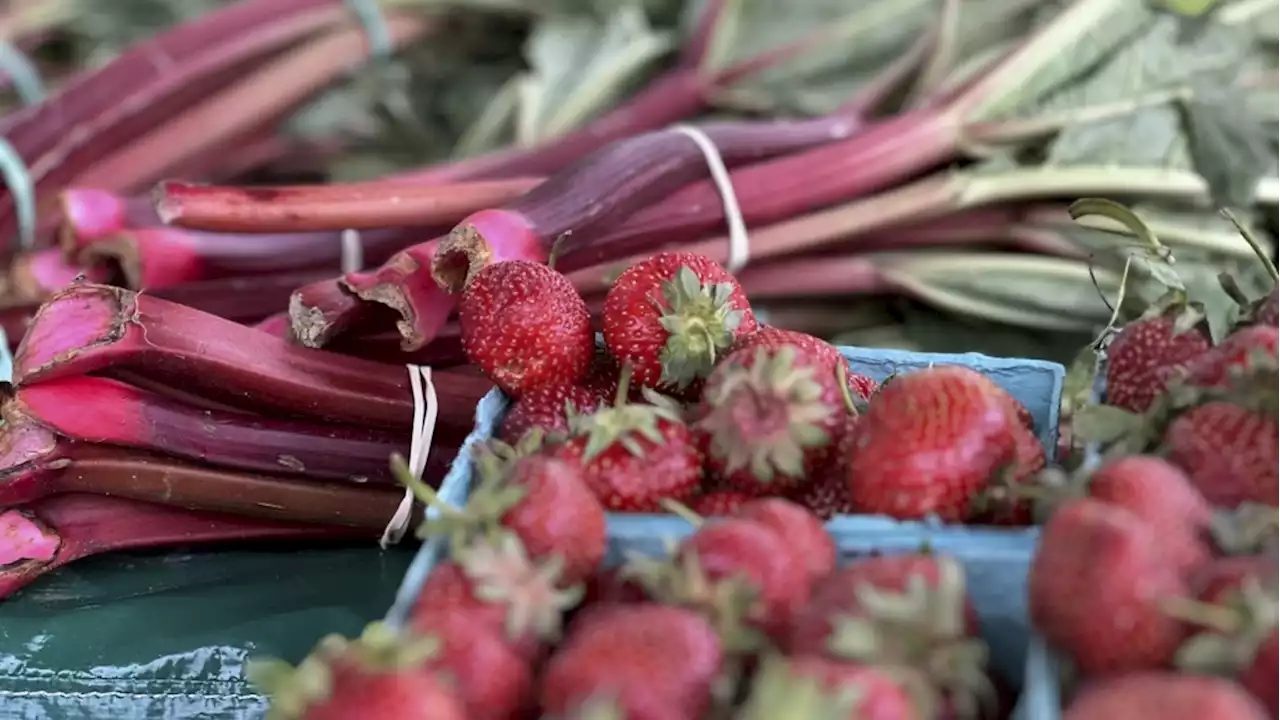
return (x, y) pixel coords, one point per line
(87, 317)
(29, 459)
(148, 258)
(402, 285)
(484, 237)
(25, 540)
(320, 312)
(459, 257)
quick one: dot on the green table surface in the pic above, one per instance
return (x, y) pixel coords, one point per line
(167, 635)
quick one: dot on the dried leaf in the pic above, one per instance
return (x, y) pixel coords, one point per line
(581, 66)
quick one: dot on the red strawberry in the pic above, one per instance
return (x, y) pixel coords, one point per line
(771, 418)
(852, 602)
(1095, 586)
(816, 687)
(653, 662)
(491, 678)
(672, 316)
(501, 590)
(1142, 356)
(379, 675)
(774, 338)
(735, 550)
(602, 378)
(525, 325)
(800, 530)
(827, 496)
(548, 407)
(930, 442)
(1242, 350)
(719, 503)
(1028, 460)
(1164, 695)
(609, 586)
(1160, 494)
(634, 455)
(1229, 452)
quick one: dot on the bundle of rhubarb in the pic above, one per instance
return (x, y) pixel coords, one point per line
(691, 400)
(750, 617)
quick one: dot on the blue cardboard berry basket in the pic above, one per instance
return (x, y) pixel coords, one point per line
(995, 559)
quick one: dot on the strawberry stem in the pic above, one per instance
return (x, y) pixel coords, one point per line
(842, 378)
(624, 385)
(1219, 619)
(424, 492)
(1254, 244)
(682, 511)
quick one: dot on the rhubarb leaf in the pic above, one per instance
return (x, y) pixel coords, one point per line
(580, 66)
(1228, 146)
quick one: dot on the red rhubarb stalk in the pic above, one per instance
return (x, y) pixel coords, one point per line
(90, 328)
(159, 257)
(296, 208)
(42, 537)
(35, 463)
(242, 110)
(90, 214)
(239, 299)
(34, 276)
(98, 112)
(99, 410)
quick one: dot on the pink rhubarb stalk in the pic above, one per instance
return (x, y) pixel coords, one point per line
(42, 537)
(34, 276)
(95, 328)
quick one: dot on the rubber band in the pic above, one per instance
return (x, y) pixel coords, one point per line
(425, 409)
(17, 177)
(352, 251)
(23, 73)
(374, 21)
(739, 242)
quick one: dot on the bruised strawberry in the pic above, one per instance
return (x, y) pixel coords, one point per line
(719, 503)
(379, 675)
(645, 660)
(800, 530)
(525, 325)
(548, 408)
(1229, 452)
(489, 676)
(634, 455)
(1144, 354)
(1164, 695)
(731, 569)
(930, 442)
(771, 418)
(1095, 586)
(672, 316)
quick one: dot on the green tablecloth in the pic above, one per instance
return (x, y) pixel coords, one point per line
(167, 635)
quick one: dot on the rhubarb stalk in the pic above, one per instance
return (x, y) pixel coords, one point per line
(36, 463)
(39, 538)
(91, 328)
(33, 276)
(89, 214)
(99, 410)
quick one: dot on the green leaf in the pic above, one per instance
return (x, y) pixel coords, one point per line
(580, 66)
(1104, 423)
(1228, 146)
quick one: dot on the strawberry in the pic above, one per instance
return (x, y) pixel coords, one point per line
(930, 442)
(490, 677)
(379, 675)
(726, 565)
(1164, 695)
(827, 496)
(861, 386)
(633, 455)
(770, 417)
(1143, 354)
(1095, 586)
(719, 503)
(548, 407)
(864, 601)
(652, 661)
(603, 375)
(502, 590)
(672, 316)
(801, 531)
(1028, 460)
(525, 325)
(1243, 350)
(612, 585)
(1228, 451)
(810, 686)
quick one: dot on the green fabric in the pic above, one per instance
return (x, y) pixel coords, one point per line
(167, 635)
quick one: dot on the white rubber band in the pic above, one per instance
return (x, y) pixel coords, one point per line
(739, 243)
(425, 409)
(352, 251)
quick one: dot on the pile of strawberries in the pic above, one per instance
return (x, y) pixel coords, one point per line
(749, 617)
(1156, 574)
(692, 400)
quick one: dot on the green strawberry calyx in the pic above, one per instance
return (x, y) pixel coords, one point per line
(379, 649)
(779, 692)
(765, 417)
(501, 571)
(1234, 629)
(626, 423)
(700, 325)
